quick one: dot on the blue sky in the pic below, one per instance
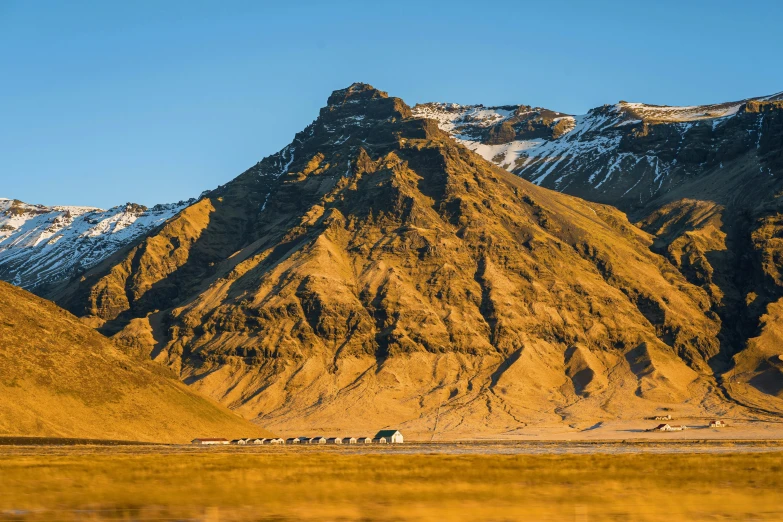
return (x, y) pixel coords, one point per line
(147, 101)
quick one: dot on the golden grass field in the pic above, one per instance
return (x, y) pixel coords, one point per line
(284, 483)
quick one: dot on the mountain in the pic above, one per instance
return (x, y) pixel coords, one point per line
(60, 378)
(629, 155)
(41, 247)
(704, 181)
(375, 271)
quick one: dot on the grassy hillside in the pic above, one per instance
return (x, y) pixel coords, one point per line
(59, 378)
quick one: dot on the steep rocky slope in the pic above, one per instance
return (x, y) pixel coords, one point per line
(59, 378)
(41, 247)
(375, 271)
(705, 181)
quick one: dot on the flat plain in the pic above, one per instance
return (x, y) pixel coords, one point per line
(581, 481)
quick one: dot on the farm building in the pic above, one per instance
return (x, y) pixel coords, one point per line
(292, 440)
(317, 440)
(334, 440)
(379, 440)
(717, 424)
(209, 442)
(390, 436)
(349, 440)
(363, 440)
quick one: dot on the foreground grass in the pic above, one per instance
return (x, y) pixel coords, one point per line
(313, 485)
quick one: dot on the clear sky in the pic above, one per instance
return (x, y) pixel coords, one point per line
(105, 102)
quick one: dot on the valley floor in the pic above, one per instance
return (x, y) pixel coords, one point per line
(640, 481)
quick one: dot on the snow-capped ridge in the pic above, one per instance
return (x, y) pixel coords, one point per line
(42, 245)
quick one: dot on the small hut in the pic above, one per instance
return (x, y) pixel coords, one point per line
(379, 440)
(240, 442)
(317, 440)
(292, 440)
(276, 441)
(349, 440)
(363, 440)
(304, 440)
(391, 436)
(717, 423)
(334, 440)
(257, 441)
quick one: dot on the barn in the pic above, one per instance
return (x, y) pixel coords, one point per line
(209, 442)
(390, 436)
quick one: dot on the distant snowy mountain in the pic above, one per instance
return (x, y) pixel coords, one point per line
(627, 154)
(42, 246)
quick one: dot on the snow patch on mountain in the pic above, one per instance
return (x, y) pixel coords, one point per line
(42, 245)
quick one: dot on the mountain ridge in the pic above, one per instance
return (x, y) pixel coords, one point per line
(373, 247)
(375, 270)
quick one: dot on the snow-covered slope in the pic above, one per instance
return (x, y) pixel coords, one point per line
(627, 154)
(42, 246)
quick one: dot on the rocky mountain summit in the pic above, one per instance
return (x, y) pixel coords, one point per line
(383, 268)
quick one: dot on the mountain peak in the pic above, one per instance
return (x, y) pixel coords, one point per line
(364, 100)
(355, 91)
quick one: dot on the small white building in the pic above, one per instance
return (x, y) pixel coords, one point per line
(390, 436)
(363, 440)
(292, 440)
(349, 440)
(256, 441)
(209, 442)
(717, 423)
(317, 440)
(334, 440)
(276, 441)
